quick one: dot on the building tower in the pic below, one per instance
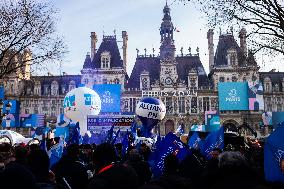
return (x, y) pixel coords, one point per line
(169, 74)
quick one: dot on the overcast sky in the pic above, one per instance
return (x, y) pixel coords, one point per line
(140, 18)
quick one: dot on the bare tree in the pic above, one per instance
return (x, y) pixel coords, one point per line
(263, 19)
(27, 35)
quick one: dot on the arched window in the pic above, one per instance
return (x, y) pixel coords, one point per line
(276, 88)
(105, 60)
(72, 85)
(54, 88)
(116, 81)
(86, 81)
(221, 79)
(232, 57)
(234, 79)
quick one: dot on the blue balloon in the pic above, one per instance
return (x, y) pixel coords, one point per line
(150, 111)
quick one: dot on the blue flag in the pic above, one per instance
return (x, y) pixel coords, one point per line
(125, 143)
(56, 151)
(273, 155)
(171, 144)
(115, 137)
(74, 137)
(109, 136)
(194, 141)
(214, 140)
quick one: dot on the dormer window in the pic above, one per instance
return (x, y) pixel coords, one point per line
(54, 88)
(232, 57)
(105, 60)
(72, 85)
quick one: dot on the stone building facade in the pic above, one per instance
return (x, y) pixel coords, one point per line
(179, 80)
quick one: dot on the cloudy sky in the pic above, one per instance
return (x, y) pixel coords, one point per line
(140, 18)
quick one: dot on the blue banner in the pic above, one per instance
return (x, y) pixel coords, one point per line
(170, 145)
(110, 96)
(274, 156)
(212, 121)
(233, 95)
(277, 118)
(31, 120)
(15, 108)
(215, 139)
(194, 141)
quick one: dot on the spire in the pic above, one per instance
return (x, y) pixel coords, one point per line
(166, 31)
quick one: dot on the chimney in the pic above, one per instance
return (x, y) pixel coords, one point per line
(124, 47)
(94, 41)
(243, 41)
(210, 34)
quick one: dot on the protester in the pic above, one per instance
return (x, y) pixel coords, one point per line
(69, 171)
(110, 174)
(140, 166)
(38, 162)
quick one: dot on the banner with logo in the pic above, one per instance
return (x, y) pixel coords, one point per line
(110, 97)
(212, 120)
(255, 96)
(233, 95)
(11, 120)
(31, 120)
(100, 123)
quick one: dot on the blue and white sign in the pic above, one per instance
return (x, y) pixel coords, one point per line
(104, 123)
(110, 96)
(80, 102)
(233, 95)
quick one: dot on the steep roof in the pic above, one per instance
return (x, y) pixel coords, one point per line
(187, 63)
(109, 44)
(152, 65)
(225, 43)
(275, 77)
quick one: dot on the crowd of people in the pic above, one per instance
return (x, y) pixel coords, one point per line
(105, 166)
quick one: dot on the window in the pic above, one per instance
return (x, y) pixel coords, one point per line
(169, 105)
(104, 81)
(279, 107)
(72, 85)
(63, 89)
(86, 81)
(267, 87)
(206, 104)
(61, 111)
(221, 79)
(181, 105)
(194, 105)
(54, 88)
(105, 60)
(232, 57)
(244, 79)
(53, 108)
(276, 88)
(35, 111)
(53, 101)
(44, 108)
(132, 104)
(27, 111)
(46, 90)
(36, 101)
(116, 81)
(234, 79)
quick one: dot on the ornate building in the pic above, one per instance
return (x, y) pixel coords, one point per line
(180, 81)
